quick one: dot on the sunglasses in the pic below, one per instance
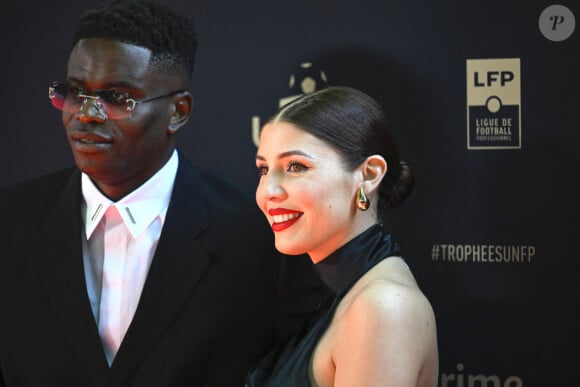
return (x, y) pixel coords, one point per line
(115, 104)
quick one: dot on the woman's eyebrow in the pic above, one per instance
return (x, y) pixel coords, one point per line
(287, 154)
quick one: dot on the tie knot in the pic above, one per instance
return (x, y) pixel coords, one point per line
(112, 216)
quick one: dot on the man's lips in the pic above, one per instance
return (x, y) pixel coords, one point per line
(283, 218)
(90, 141)
(91, 137)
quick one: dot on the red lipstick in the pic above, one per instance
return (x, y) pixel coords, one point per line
(283, 218)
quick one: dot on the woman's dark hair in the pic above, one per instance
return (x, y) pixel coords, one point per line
(356, 125)
(169, 35)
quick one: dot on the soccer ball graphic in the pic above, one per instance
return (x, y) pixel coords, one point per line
(306, 79)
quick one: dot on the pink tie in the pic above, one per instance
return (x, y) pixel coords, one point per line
(113, 321)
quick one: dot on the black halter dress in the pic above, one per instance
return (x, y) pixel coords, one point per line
(287, 364)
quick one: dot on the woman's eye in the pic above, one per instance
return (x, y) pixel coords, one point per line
(295, 166)
(262, 170)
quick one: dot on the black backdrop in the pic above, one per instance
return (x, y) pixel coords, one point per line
(488, 232)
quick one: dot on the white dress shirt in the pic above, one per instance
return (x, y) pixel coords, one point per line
(120, 240)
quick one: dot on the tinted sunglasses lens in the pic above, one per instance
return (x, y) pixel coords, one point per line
(117, 113)
(62, 99)
(57, 95)
(115, 106)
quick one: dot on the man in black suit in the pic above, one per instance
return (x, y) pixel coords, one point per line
(136, 268)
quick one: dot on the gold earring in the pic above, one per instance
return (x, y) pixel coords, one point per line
(362, 201)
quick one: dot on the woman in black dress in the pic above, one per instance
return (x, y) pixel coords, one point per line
(329, 166)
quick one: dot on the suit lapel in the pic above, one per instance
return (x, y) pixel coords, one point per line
(177, 266)
(60, 264)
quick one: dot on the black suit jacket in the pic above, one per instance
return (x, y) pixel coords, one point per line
(211, 306)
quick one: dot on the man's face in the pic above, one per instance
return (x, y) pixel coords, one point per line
(119, 154)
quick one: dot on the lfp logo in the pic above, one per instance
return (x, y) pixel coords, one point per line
(493, 104)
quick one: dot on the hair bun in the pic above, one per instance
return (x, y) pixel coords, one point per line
(402, 184)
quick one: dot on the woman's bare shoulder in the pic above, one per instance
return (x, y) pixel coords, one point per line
(391, 295)
(388, 329)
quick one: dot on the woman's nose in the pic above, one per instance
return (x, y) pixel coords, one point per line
(273, 187)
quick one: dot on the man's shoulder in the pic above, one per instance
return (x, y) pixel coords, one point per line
(35, 190)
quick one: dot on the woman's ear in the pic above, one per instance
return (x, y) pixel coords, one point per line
(373, 169)
(180, 111)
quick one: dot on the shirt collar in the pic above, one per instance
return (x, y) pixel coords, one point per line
(139, 208)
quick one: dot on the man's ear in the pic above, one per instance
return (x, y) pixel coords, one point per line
(373, 169)
(180, 111)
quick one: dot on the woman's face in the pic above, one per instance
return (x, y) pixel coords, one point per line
(305, 192)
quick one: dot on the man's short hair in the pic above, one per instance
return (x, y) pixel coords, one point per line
(169, 35)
